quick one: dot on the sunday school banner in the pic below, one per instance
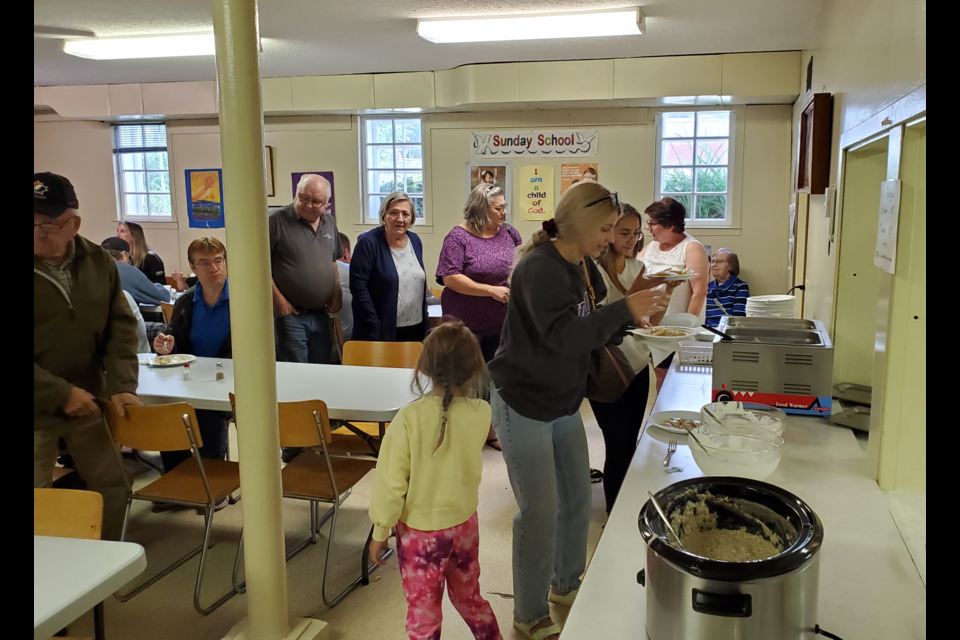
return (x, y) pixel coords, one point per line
(545, 143)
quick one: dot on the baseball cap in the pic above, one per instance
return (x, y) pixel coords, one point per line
(115, 244)
(53, 194)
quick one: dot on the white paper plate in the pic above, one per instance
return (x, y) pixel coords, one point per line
(645, 334)
(771, 299)
(663, 416)
(176, 360)
(680, 278)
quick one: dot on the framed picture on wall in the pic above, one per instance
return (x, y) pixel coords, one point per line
(268, 170)
(205, 198)
(495, 173)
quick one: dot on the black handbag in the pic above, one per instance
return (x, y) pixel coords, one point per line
(610, 372)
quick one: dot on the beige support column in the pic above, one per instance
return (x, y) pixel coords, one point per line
(251, 320)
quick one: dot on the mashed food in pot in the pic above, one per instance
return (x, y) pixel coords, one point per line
(696, 525)
(729, 545)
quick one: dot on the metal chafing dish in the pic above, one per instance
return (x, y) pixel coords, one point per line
(782, 362)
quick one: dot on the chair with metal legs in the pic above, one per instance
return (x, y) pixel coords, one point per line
(194, 482)
(68, 513)
(320, 478)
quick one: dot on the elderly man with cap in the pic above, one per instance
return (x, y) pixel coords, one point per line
(84, 348)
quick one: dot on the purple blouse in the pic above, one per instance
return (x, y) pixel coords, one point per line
(485, 261)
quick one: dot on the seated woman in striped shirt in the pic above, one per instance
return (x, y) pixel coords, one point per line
(727, 294)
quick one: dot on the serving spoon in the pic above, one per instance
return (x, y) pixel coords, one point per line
(663, 516)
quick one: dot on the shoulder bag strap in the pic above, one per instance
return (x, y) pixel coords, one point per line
(590, 294)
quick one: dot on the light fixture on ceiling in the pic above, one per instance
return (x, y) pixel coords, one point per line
(155, 46)
(530, 26)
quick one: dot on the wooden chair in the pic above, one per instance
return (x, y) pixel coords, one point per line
(68, 513)
(437, 291)
(394, 355)
(194, 482)
(320, 478)
(336, 332)
(167, 308)
(171, 282)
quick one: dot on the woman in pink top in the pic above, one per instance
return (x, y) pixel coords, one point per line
(474, 269)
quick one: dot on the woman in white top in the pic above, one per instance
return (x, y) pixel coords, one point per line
(620, 421)
(673, 247)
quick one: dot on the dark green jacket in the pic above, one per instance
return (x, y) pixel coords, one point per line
(88, 341)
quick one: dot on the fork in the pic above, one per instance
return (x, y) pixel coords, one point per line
(671, 449)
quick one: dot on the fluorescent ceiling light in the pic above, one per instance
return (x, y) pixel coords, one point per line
(543, 26)
(161, 46)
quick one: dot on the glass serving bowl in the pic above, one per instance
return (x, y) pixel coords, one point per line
(745, 455)
(743, 417)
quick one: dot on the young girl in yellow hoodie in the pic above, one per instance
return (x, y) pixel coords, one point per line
(427, 486)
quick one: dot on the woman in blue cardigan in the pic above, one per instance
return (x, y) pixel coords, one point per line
(387, 278)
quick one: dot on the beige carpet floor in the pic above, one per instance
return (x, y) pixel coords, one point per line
(165, 610)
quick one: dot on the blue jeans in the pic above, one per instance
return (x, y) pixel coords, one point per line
(549, 471)
(304, 337)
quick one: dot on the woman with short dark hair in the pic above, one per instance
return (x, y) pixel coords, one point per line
(727, 294)
(674, 247)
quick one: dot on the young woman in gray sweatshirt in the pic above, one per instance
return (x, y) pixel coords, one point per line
(539, 380)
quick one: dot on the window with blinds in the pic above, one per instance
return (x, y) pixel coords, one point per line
(143, 171)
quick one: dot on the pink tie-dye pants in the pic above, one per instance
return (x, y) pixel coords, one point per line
(428, 559)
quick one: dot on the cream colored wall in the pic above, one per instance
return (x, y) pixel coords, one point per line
(331, 143)
(83, 152)
(626, 156)
(869, 55)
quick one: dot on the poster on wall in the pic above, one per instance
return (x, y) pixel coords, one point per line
(326, 174)
(495, 173)
(536, 192)
(571, 174)
(886, 255)
(205, 198)
(549, 142)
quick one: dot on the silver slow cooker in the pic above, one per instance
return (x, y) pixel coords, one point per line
(690, 597)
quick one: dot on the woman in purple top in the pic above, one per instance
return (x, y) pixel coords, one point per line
(475, 264)
(474, 268)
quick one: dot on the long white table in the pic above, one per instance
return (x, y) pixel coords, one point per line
(869, 586)
(367, 394)
(71, 576)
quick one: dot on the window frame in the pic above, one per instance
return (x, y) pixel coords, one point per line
(728, 220)
(120, 171)
(372, 218)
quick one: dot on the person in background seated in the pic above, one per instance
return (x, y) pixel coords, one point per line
(343, 270)
(84, 348)
(200, 325)
(427, 486)
(140, 255)
(132, 279)
(387, 279)
(143, 345)
(727, 294)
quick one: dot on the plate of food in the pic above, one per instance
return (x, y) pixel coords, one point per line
(676, 421)
(672, 274)
(173, 360)
(664, 334)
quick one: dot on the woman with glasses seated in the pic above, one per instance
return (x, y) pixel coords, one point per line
(727, 294)
(387, 277)
(674, 247)
(474, 269)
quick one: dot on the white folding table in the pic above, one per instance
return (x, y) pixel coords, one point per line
(71, 576)
(367, 394)
(869, 586)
